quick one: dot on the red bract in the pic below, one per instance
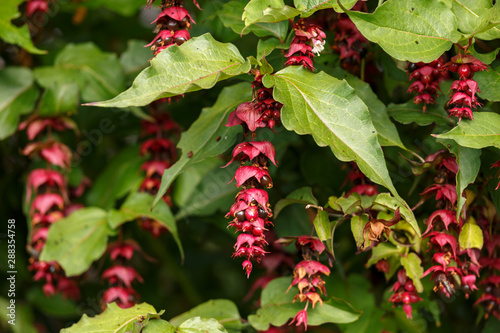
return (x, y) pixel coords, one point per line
(300, 319)
(123, 250)
(53, 152)
(443, 239)
(245, 173)
(124, 297)
(34, 6)
(443, 191)
(34, 125)
(311, 267)
(155, 167)
(44, 202)
(176, 13)
(445, 216)
(246, 113)
(308, 40)
(314, 243)
(427, 78)
(250, 150)
(45, 177)
(153, 146)
(123, 274)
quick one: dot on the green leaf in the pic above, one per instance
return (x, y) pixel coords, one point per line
(201, 325)
(223, 310)
(197, 64)
(410, 112)
(56, 306)
(348, 205)
(487, 58)
(77, 240)
(138, 205)
(469, 162)
(322, 225)
(471, 235)
(208, 136)
(387, 132)
(59, 99)
(12, 34)
(358, 223)
(136, 56)
(382, 251)
(231, 12)
(120, 176)
(267, 11)
(489, 82)
(115, 319)
(213, 194)
(483, 131)
(99, 75)
(303, 196)
(475, 16)
(423, 30)
(265, 47)
(317, 104)
(277, 308)
(387, 201)
(17, 97)
(159, 326)
(309, 7)
(414, 269)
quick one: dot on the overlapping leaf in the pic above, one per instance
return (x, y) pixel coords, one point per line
(471, 235)
(329, 109)
(99, 75)
(309, 7)
(17, 97)
(413, 266)
(267, 11)
(410, 112)
(11, 33)
(414, 30)
(197, 64)
(483, 131)
(489, 83)
(77, 240)
(208, 136)
(115, 319)
(478, 15)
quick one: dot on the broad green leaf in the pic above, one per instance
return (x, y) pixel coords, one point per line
(265, 47)
(475, 16)
(222, 310)
(59, 100)
(487, 58)
(469, 162)
(302, 196)
(387, 132)
(211, 195)
(17, 97)
(122, 7)
(471, 235)
(115, 319)
(138, 205)
(99, 75)
(136, 56)
(277, 307)
(201, 325)
(358, 223)
(410, 36)
(197, 64)
(489, 83)
(348, 205)
(387, 201)
(11, 33)
(231, 12)
(267, 11)
(410, 112)
(414, 269)
(483, 131)
(382, 251)
(121, 175)
(159, 326)
(309, 7)
(322, 225)
(330, 110)
(77, 240)
(208, 136)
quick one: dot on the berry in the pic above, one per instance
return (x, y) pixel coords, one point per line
(464, 71)
(409, 286)
(172, 25)
(240, 216)
(251, 213)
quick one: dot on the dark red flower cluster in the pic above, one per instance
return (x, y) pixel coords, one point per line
(307, 276)
(37, 6)
(263, 111)
(172, 25)
(452, 269)
(161, 151)
(463, 91)
(405, 293)
(349, 43)
(427, 78)
(308, 41)
(47, 192)
(120, 277)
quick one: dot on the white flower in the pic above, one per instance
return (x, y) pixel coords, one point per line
(318, 46)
